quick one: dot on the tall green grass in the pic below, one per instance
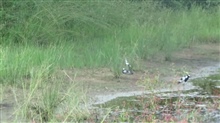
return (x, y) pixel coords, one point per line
(48, 98)
(98, 33)
(38, 38)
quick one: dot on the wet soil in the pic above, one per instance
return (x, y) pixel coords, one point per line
(102, 86)
(198, 61)
(198, 104)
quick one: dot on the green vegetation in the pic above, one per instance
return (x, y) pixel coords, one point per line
(97, 33)
(167, 106)
(40, 38)
(154, 108)
(209, 84)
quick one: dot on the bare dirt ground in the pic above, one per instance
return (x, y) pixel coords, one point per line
(198, 61)
(101, 82)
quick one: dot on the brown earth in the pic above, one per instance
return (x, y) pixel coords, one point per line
(102, 81)
(190, 60)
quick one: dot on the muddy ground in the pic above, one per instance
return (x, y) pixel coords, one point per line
(198, 61)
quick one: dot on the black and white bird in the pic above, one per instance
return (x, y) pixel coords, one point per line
(124, 71)
(184, 79)
(129, 70)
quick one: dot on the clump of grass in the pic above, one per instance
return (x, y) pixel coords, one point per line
(49, 99)
(74, 107)
(31, 106)
(209, 84)
(151, 81)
